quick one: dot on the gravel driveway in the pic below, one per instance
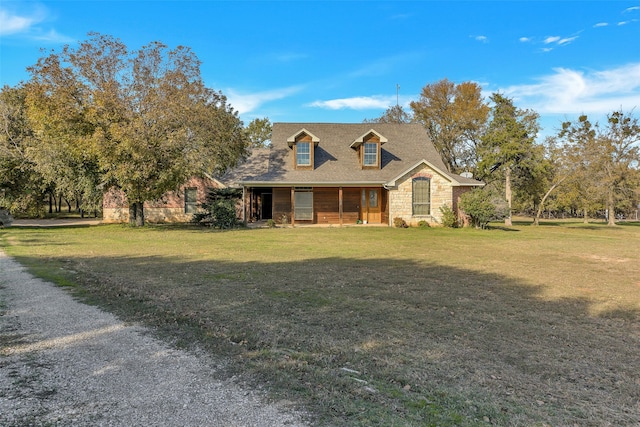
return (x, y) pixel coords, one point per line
(67, 363)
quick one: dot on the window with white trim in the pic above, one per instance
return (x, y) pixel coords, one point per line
(190, 200)
(370, 157)
(303, 153)
(421, 196)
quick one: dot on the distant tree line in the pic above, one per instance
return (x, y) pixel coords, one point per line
(586, 169)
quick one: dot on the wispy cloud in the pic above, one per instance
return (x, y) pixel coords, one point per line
(248, 102)
(631, 9)
(568, 91)
(482, 39)
(30, 26)
(601, 24)
(525, 39)
(621, 23)
(355, 103)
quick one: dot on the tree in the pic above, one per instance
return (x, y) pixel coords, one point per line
(508, 142)
(605, 161)
(142, 121)
(21, 187)
(393, 114)
(455, 117)
(259, 132)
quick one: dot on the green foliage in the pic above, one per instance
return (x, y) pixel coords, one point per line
(423, 224)
(271, 223)
(483, 206)
(139, 120)
(219, 211)
(399, 223)
(455, 116)
(449, 218)
(259, 132)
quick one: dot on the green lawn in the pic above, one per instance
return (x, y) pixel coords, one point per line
(382, 326)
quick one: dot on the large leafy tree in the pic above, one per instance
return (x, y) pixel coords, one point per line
(605, 160)
(21, 187)
(455, 116)
(142, 121)
(506, 148)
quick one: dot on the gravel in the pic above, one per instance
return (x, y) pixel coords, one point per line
(66, 363)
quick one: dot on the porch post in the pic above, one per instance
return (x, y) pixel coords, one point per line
(293, 206)
(340, 205)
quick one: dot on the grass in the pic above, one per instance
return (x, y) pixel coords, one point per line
(381, 326)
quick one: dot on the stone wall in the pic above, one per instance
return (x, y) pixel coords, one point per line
(401, 197)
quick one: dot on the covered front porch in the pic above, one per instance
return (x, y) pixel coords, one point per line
(340, 205)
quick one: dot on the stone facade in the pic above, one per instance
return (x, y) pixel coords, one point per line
(401, 197)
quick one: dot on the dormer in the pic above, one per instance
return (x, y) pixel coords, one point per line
(303, 144)
(368, 147)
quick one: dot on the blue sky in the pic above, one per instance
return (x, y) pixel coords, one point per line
(341, 61)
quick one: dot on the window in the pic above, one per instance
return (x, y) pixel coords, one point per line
(190, 200)
(303, 205)
(421, 196)
(370, 154)
(303, 154)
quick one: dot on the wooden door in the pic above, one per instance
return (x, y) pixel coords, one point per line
(370, 207)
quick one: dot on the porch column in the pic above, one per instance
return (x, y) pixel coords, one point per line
(340, 205)
(293, 206)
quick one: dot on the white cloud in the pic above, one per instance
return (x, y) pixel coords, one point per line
(567, 40)
(568, 91)
(483, 39)
(631, 9)
(14, 24)
(601, 24)
(525, 39)
(29, 26)
(551, 39)
(355, 103)
(247, 102)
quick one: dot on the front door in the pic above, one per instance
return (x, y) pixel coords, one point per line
(370, 210)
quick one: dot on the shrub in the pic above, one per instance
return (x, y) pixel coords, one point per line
(219, 210)
(483, 206)
(423, 224)
(399, 223)
(449, 218)
(271, 223)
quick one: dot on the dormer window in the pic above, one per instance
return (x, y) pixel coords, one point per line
(370, 156)
(302, 144)
(303, 153)
(368, 147)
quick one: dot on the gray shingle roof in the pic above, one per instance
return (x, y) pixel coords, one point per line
(335, 162)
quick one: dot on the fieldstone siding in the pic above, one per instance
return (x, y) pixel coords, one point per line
(401, 197)
(171, 208)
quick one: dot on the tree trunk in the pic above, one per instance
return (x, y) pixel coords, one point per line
(611, 208)
(132, 213)
(507, 194)
(140, 214)
(50, 203)
(536, 220)
(585, 217)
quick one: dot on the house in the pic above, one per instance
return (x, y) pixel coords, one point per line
(327, 173)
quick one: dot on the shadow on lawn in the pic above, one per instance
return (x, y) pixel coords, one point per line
(410, 330)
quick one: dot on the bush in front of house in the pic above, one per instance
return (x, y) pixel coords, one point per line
(483, 206)
(219, 211)
(399, 223)
(449, 218)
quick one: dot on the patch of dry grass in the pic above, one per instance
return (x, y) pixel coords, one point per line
(376, 326)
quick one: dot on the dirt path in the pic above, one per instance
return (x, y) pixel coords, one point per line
(67, 363)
